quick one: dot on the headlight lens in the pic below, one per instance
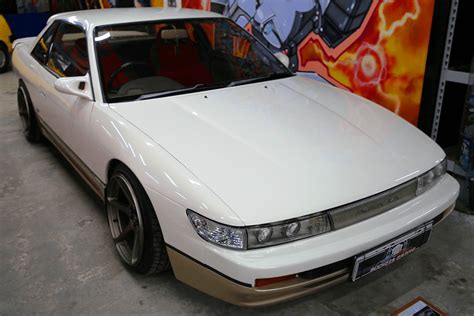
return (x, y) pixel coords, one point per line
(219, 234)
(430, 178)
(264, 234)
(261, 235)
(279, 233)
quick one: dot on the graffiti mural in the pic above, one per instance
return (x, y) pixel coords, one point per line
(283, 27)
(32, 6)
(375, 48)
(131, 3)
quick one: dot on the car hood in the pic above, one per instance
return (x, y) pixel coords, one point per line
(285, 148)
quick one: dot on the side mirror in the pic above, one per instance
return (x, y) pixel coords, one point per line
(78, 86)
(283, 59)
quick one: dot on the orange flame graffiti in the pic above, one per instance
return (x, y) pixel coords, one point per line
(385, 60)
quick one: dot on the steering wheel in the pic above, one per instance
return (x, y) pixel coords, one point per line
(147, 66)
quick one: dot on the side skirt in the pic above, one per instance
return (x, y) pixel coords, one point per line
(87, 175)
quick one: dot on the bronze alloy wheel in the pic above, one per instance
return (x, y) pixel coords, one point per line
(133, 223)
(24, 109)
(31, 127)
(125, 220)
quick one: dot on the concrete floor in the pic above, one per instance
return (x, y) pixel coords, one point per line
(57, 256)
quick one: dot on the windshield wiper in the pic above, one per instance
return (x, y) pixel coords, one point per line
(202, 86)
(170, 92)
(271, 76)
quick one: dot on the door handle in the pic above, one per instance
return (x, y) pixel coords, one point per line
(42, 94)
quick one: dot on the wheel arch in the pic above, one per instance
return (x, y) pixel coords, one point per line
(3, 44)
(22, 82)
(6, 51)
(111, 165)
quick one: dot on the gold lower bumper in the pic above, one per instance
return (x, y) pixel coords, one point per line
(210, 282)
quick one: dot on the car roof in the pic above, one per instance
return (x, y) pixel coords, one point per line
(91, 18)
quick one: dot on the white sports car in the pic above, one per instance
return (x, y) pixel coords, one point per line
(254, 185)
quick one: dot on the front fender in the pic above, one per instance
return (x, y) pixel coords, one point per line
(156, 169)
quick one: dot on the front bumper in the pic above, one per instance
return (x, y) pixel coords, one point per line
(211, 282)
(230, 275)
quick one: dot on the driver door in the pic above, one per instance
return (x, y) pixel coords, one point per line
(66, 116)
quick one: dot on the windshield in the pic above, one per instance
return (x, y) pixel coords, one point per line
(154, 59)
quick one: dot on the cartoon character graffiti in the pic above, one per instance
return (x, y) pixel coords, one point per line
(283, 27)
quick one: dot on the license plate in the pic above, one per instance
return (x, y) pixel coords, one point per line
(391, 252)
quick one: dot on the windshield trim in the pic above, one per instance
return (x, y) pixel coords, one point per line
(211, 87)
(191, 90)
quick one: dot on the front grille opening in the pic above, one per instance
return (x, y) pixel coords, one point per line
(328, 269)
(361, 210)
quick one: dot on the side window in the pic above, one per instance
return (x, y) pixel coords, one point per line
(40, 52)
(68, 54)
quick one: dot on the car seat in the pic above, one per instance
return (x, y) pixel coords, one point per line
(179, 60)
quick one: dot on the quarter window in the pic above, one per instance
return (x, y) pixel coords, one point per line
(68, 54)
(40, 52)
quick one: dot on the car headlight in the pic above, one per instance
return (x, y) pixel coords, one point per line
(261, 235)
(279, 233)
(430, 178)
(219, 234)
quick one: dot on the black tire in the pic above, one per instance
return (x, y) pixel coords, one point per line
(31, 128)
(4, 58)
(153, 257)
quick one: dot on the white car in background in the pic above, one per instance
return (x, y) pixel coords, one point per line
(256, 186)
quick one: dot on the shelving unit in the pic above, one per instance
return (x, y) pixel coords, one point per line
(445, 68)
(458, 163)
(464, 165)
(461, 156)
